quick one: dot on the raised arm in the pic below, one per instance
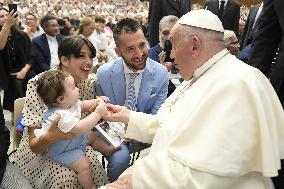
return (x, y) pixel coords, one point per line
(10, 21)
(86, 124)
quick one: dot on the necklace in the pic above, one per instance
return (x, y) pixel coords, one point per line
(11, 45)
(192, 81)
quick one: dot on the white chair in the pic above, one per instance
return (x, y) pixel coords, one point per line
(18, 108)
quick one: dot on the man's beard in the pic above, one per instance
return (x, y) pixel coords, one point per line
(130, 65)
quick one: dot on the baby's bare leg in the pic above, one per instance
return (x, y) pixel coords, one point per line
(84, 172)
(99, 145)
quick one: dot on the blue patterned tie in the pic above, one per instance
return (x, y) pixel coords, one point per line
(131, 96)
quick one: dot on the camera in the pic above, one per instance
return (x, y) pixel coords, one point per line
(12, 6)
(167, 50)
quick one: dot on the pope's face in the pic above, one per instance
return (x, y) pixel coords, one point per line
(181, 51)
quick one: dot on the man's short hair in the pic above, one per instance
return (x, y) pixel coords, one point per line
(31, 14)
(100, 20)
(126, 25)
(167, 20)
(44, 20)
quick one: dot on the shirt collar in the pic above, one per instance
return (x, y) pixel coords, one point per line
(50, 37)
(226, 1)
(204, 67)
(128, 70)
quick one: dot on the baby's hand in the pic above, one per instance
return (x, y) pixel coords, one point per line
(101, 109)
(95, 102)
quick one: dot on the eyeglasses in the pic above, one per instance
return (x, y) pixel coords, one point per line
(165, 32)
(234, 43)
(53, 25)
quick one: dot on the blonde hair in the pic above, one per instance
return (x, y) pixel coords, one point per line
(85, 22)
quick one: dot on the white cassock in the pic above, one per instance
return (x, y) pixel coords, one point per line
(222, 129)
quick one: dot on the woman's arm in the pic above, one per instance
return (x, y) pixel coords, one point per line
(22, 74)
(10, 21)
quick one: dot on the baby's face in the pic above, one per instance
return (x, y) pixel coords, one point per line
(71, 94)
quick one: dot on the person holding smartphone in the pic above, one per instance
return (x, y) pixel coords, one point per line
(162, 51)
(15, 51)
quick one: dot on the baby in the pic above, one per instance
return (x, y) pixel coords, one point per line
(59, 93)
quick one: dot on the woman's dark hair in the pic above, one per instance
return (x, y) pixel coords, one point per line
(71, 46)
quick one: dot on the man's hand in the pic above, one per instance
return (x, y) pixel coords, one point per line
(169, 65)
(162, 57)
(124, 182)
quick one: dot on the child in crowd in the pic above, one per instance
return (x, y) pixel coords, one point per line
(59, 93)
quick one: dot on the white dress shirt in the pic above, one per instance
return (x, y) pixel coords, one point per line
(53, 48)
(226, 1)
(137, 81)
(257, 14)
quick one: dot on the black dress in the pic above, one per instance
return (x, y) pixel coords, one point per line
(15, 55)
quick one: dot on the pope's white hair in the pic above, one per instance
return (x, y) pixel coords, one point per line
(205, 34)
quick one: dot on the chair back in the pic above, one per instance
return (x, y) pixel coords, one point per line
(18, 108)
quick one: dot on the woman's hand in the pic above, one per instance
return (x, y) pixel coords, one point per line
(103, 55)
(55, 134)
(11, 19)
(21, 74)
(40, 145)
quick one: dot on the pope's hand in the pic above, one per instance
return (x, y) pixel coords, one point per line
(124, 182)
(117, 114)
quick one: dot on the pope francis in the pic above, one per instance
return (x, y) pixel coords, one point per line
(222, 128)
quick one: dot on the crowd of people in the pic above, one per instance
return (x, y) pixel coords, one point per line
(80, 62)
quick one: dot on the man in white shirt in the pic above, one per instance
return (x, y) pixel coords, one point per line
(45, 46)
(32, 28)
(223, 127)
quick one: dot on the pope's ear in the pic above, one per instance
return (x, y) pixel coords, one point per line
(196, 45)
(118, 51)
(64, 61)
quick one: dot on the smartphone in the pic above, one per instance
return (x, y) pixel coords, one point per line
(168, 49)
(12, 6)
